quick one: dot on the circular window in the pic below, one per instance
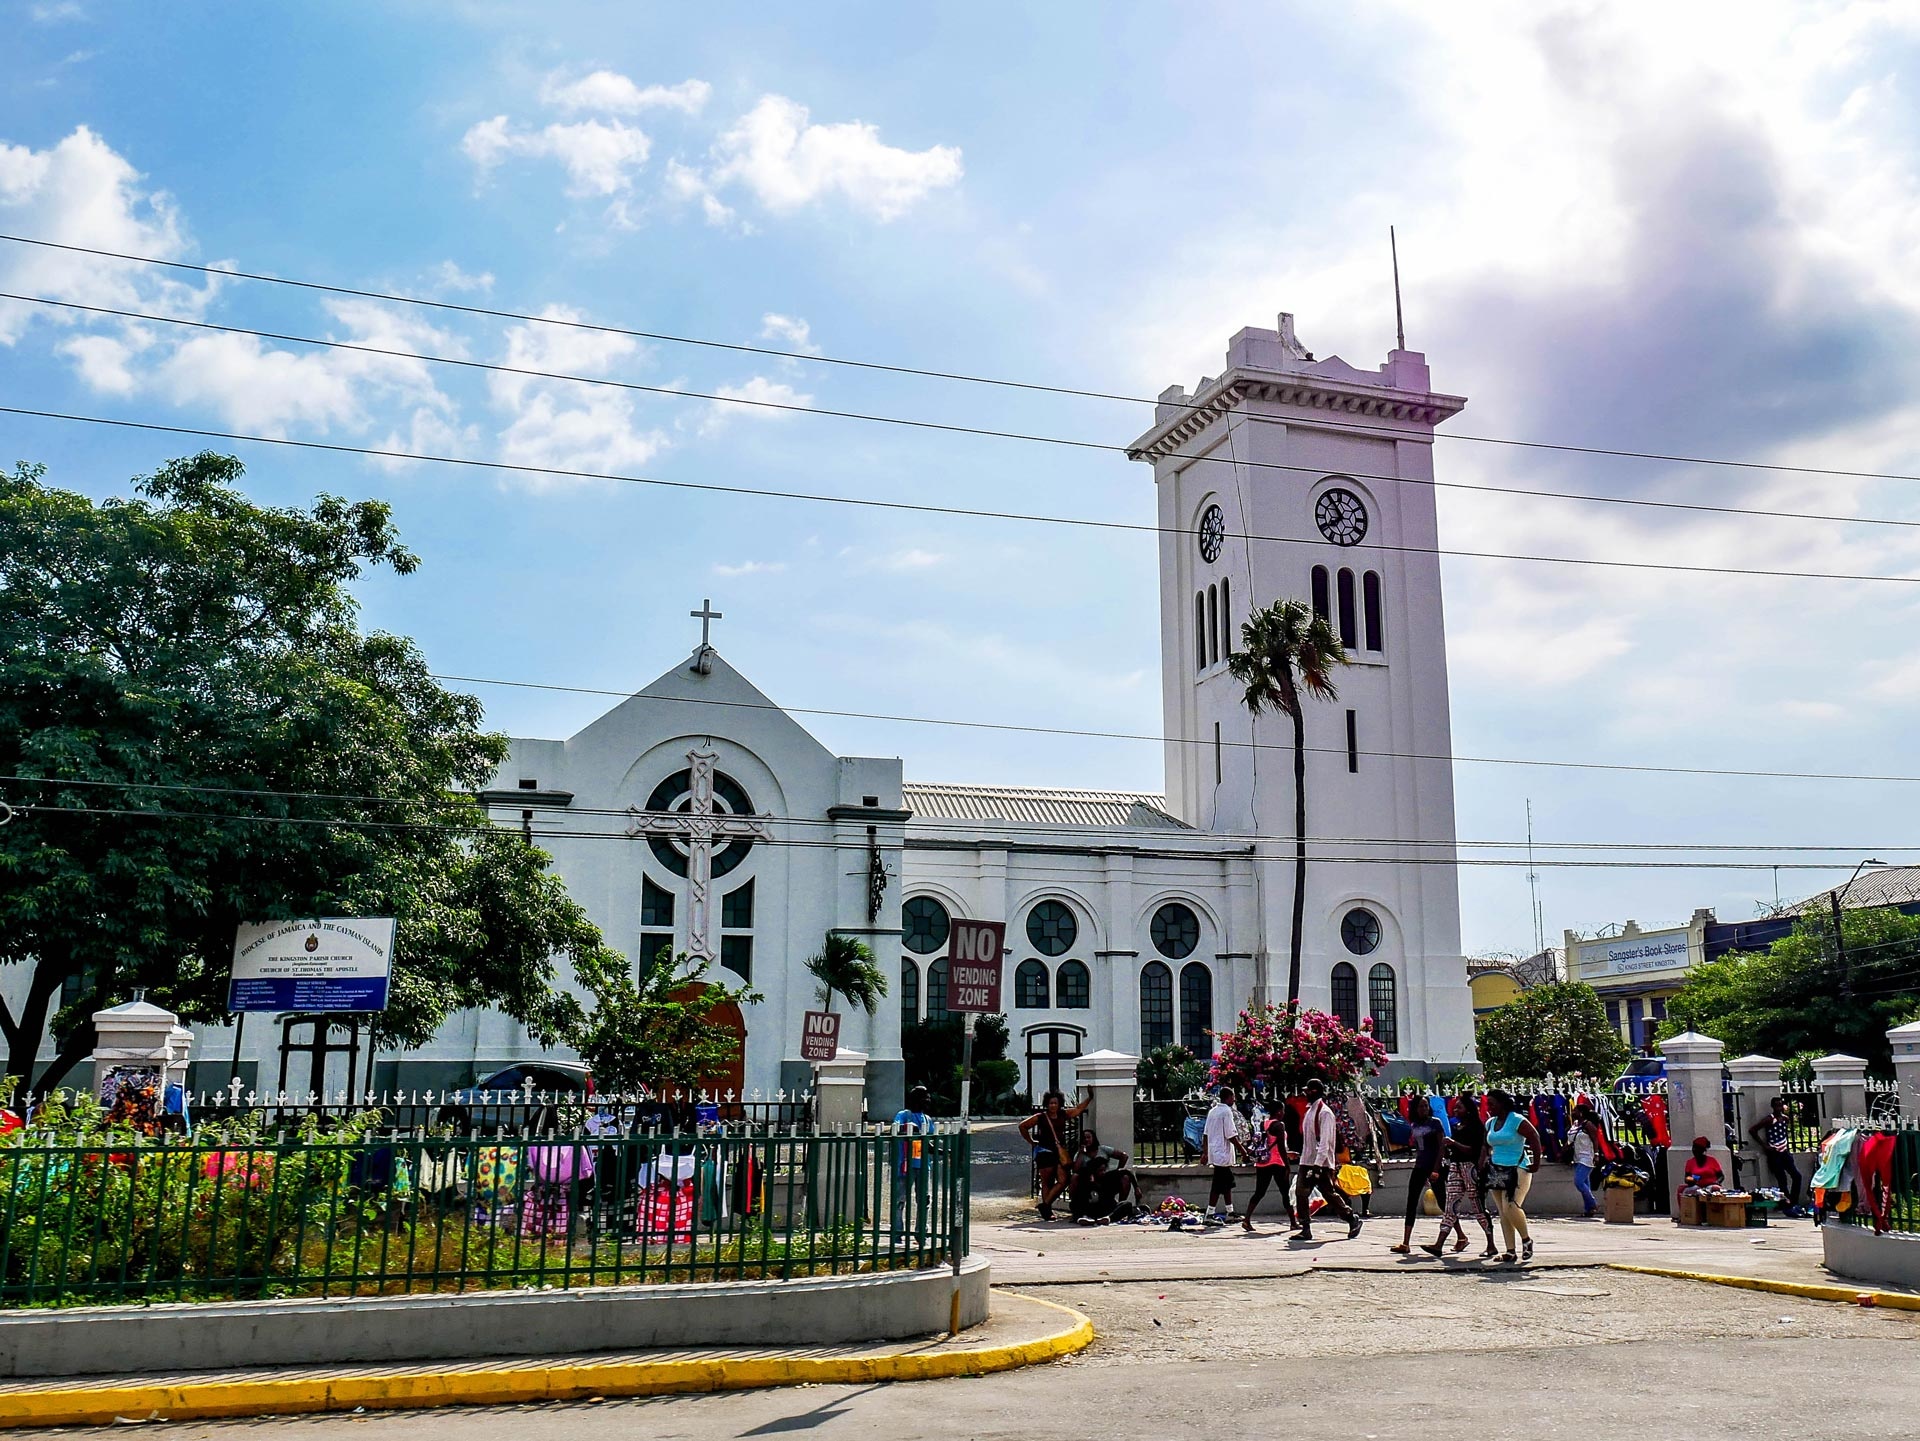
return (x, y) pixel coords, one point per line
(1360, 930)
(1176, 931)
(1051, 928)
(675, 794)
(923, 925)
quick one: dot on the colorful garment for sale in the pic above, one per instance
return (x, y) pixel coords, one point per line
(562, 1164)
(496, 1183)
(1873, 1175)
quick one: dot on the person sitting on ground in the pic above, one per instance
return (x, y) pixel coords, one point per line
(1119, 1188)
(1046, 1131)
(1089, 1162)
(1702, 1169)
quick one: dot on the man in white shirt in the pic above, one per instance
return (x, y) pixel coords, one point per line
(1319, 1160)
(1222, 1144)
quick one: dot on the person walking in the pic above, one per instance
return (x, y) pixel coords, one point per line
(1425, 1137)
(1466, 1195)
(1270, 1167)
(1583, 1138)
(1221, 1141)
(1046, 1131)
(1774, 1132)
(1513, 1155)
(1319, 1160)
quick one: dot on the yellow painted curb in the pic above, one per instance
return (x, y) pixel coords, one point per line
(1813, 1291)
(568, 1381)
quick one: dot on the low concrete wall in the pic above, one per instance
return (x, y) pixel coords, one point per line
(1859, 1255)
(1552, 1192)
(225, 1335)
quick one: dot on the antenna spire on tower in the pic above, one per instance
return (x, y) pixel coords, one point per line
(1399, 320)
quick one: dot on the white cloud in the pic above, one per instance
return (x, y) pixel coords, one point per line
(789, 330)
(54, 12)
(757, 399)
(448, 278)
(563, 424)
(600, 157)
(749, 567)
(609, 92)
(105, 361)
(788, 162)
(912, 558)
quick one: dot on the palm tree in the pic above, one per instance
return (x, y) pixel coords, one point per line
(845, 966)
(1290, 653)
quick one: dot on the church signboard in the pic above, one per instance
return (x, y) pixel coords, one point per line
(973, 965)
(339, 963)
(820, 1036)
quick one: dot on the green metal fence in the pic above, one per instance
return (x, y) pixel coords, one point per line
(213, 1220)
(1901, 1197)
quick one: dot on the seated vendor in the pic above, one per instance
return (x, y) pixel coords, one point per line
(1702, 1169)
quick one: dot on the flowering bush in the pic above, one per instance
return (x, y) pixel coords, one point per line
(1279, 1049)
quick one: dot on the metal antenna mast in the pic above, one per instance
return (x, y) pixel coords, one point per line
(1399, 320)
(1533, 886)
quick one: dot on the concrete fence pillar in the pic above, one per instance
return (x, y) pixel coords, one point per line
(1694, 1104)
(1109, 1078)
(1906, 1066)
(138, 1038)
(1843, 1084)
(840, 1091)
(1756, 1081)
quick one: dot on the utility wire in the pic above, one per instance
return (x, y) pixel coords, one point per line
(681, 393)
(993, 826)
(1030, 517)
(862, 847)
(927, 373)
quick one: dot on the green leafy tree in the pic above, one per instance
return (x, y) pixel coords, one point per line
(1556, 1029)
(653, 1030)
(931, 1051)
(1290, 654)
(1798, 995)
(1172, 1073)
(844, 966)
(189, 638)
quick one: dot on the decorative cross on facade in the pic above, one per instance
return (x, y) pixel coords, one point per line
(698, 828)
(706, 615)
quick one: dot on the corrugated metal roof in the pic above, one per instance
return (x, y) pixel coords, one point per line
(1883, 886)
(936, 802)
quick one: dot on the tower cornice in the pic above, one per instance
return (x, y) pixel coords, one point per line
(1332, 394)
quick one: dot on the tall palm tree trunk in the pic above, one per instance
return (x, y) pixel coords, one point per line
(1299, 853)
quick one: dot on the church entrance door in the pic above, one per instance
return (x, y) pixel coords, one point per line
(1047, 1047)
(731, 1079)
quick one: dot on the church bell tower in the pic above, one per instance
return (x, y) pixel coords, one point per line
(1287, 477)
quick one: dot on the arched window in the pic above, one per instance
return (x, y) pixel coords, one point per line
(1383, 1003)
(1200, 630)
(1346, 996)
(1213, 624)
(1322, 604)
(1030, 986)
(1073, 987)
(1370, 608)
(923, 925)
(1156, 1006)
(1226, 617)
(1051, 928)
(937, 990)
(909, 991)
(1349, 633)
(1196, 1008)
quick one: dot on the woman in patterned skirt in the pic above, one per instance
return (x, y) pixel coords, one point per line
(1466, 1200)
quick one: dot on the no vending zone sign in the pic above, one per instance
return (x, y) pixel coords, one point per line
(973, 965)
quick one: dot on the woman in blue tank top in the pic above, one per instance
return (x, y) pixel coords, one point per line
(1513, 1153)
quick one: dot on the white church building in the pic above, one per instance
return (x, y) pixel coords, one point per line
(1133, 921)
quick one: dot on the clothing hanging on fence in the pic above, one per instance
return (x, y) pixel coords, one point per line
(1437, 1103)
(560, 1164)
(1835, 1152)
(1655, 1107)
(666, 1207)
(496, 1183)
(1873, 1175)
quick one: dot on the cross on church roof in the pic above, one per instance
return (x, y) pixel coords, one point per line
(706, 615)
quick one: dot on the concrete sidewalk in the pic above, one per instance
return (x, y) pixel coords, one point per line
(1025, 1251)
(1022, 1331)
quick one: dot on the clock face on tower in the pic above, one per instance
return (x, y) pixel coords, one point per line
(1341, 517)
(1213, 530)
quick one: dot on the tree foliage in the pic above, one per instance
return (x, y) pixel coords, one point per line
(190, 638)
(1281, 1048)
(844, 966)
(1798, 997)
(1557, 1029)
(1289, 654)
(655, 1030)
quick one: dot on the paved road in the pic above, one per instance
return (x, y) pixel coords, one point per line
(1592, 1354)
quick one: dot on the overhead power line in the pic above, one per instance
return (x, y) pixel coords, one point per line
(1028, 517)
(791, 407)
(861, 847)
(922, 372)
(990, 826)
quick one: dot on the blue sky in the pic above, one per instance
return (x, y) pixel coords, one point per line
(1685, 231)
